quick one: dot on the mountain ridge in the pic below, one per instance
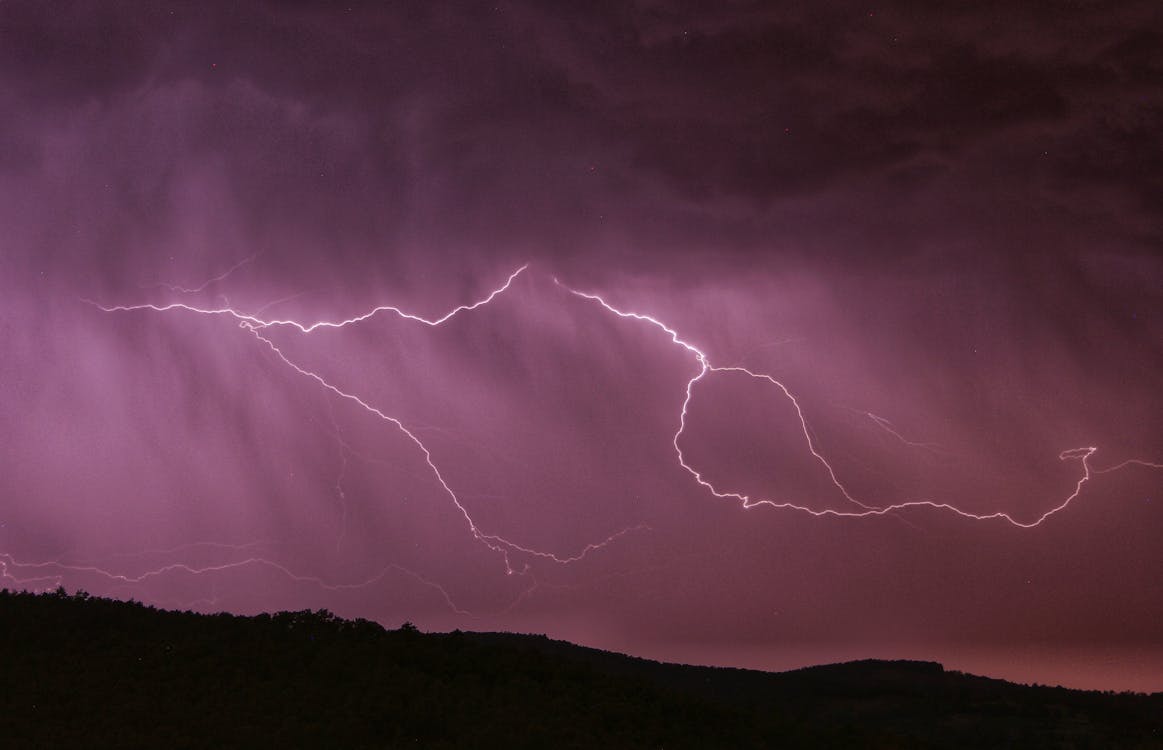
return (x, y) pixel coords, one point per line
(85, 671)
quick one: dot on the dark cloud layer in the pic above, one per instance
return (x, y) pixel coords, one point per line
(938, 225)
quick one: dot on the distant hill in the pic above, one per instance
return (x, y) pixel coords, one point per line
(79, 671)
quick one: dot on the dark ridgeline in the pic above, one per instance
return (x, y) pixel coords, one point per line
(86, 672)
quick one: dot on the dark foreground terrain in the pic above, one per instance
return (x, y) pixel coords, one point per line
(77, 671)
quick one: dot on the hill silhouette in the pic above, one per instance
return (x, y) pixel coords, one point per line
(80, 671)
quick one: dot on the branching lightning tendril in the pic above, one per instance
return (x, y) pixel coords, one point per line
(30, 573)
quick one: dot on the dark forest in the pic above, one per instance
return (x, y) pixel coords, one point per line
(81, 671)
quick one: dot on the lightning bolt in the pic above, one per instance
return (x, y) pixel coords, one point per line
(257, 326)
(507, 549)
(494, 542)
(706, 368)
(253, 322)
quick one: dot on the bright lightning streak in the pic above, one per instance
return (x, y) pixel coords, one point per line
(492, 541)
(253, 321)
(256, 325)
(499, 544)
(705, 367)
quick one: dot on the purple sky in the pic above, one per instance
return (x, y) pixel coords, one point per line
(938, 226)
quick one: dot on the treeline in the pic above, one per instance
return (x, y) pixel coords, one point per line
(79, 671)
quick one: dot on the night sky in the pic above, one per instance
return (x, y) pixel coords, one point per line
(838, 333)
